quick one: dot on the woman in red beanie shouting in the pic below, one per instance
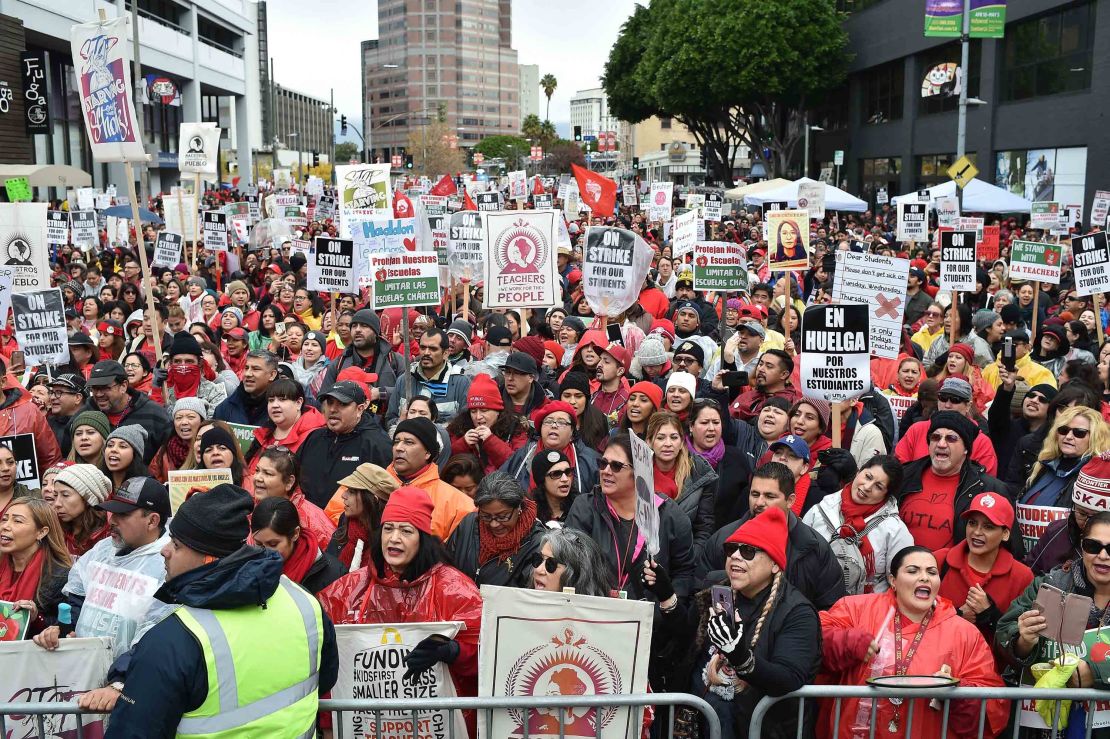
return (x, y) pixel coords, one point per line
(487, 430)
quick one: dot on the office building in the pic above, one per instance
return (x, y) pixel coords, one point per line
(530, 91)
(590, 110)
(302, 125)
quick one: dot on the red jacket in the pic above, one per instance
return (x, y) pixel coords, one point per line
(654, 302)
(915, 445)
(1007, 580)
(18, 415)
(494, 452)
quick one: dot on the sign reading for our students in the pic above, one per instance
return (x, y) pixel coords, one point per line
(405, 279)
(167, 250)
(720, 265)
(714, 205)
(613, 269)
(215, 230)
(1035, 260)
(913, 221)
(836, 362)
(521, 271)
(1091, 263)
(332, 266)
(57, 227)
(466, 242)
(957, 260)
(40, 326)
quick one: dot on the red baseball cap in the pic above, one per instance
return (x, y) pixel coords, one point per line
(995, 506)
(619, 353)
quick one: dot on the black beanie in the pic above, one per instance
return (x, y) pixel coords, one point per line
(575, 381)
(215, 522)
(424, 430)
(964, 427)
(185, 343)
(214, 436)
(543, 461)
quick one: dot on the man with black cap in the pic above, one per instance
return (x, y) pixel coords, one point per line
(520, 386)
(369, 351)
(415, 450)
(770, 380)
(184, 378)
(82, 352)
(1007, 427)
(433, 376)
(685, 294)
(459, 335)
(112, 396)
(917, 300)
(66, 393)
(235, 606)
(954, 395)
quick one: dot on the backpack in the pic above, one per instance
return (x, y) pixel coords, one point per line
(847, 552)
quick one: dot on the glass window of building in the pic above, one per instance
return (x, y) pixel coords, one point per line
(882, 173)
(932, 169)
(938, 70)
(1049, 54)
(883, 92)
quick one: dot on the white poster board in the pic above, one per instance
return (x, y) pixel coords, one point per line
(521, 269)
(836, 362)
(957, 261)
(23, 245)
(879, 283)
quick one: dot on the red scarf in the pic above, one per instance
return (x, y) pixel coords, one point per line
(854, 514)
(20, 586)
(77, 548)
(301, 559)
(184, 379)
(502, 547)
(355, 532)
(177, 449)
(665, 483)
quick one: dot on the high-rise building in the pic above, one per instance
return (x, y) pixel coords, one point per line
(453, 56)
(529, 90)
(590, 110)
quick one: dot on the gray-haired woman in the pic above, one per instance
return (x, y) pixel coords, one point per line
(567, 558)
(494, 544)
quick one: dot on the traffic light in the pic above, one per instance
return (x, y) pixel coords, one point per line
(635, 162)
(577, 133)
(408, 161)
(343, 125)
(315, 159)
(701, 158)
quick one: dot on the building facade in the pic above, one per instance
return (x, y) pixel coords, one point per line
(453, 56)
(530, 91)
(309, 118)
(590, 110)
(1035, 122)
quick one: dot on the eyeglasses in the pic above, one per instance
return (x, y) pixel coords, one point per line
(1037, 397)
(946, 438)
(499, 518)
(60, 393)
(1094, 546)
(556, 423)
(945, 398)
(559, 474)
(683, 361)
(549, 563)
(747, 551)
(1077, 433)
(933, 314)
(604, 464)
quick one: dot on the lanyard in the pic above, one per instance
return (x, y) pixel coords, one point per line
(902, 665)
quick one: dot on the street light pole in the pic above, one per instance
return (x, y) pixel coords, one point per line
(961, 130)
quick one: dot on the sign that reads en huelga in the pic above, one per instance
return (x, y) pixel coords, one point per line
(836, 362)
(1091, 263)
(215, 230)
(957, 261)
(332, 266)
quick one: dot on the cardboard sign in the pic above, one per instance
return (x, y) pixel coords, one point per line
(1044, 214)
(720, 265)
(913, 221)
(35, 675)
(1091, 262)
(215, 230)
(788, 240)
(489, 202)
(520, 260)
(879, 283)
(614, 266)
(364, 192)
(647, 512)
(167, 250)
(83, 225)
(1035, 260)
(542, 202)
(948, 210)
(103, 72)
(184, 484)
(181, 219)
(406, 279)
(198, 148)
(332, 266)
(957, 261)
(660, 201)
(811, 197)
(714, 206)
(989, 247)
(40, 326)
(836, 362)
(18, 189)
(466, 243)
(1100, 208)
(57, 227)
(684, 234)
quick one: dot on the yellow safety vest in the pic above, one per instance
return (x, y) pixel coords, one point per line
(263, 667)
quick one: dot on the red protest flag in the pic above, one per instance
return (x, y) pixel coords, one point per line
(596, 191)
(537, 186)
(468, 204)
(445, 186)
(402, 206)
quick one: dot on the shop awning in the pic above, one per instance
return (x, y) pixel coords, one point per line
(47, 175)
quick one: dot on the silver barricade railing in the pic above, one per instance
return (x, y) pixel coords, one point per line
(414, 707)
(913, 697)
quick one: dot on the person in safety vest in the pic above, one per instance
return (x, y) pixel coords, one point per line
(234, 606)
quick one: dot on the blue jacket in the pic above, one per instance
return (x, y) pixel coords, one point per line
(167, 676)
(237, 409)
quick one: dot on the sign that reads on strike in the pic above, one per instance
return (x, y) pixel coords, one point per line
(836, 362)
(215, 230)
(40, 326)
(1035, 260)
(167, 250)
(957, 260)
(1090, 261)
(57, 227)
(913, 221)
(489, 202)
(331, 267)
(466, 243)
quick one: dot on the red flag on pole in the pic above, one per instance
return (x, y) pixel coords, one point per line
(468, 204)
(537, 186)
(402, 206)
(445, 186)
(597, 191)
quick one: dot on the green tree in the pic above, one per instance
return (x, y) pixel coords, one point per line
(548, 83)
(729, 88)
(346, 151)
(510, 149)
(540, 132)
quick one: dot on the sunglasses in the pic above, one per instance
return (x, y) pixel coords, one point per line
(747, 551)
(945, 398)
(559, 474)
(1077, 433)
(948, 438)
(1037, 397)
(604, 464)
(549, 563)
(1094, 546)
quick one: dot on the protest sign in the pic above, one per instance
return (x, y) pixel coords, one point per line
(957, 261)
(1035, 260)
(405, 279)
(899, 404)
(988, 247)
(948, 210)
(518, 185)
(7, 274)
(244, 435)
(86, 198)
(381, 236)
(720, 265)
(116, 598)
(684, 234)
(660, 201)
(57, 227)
(27, 461)
(572, 203)
(104, 90)
(539, 643)
(882, 197)
(167, 250)
(647, 512)
(181, 219)
(215, 230)
(372, 667)
(83, 224)
(628, 196)
(18, 189)
(836, 365)
(521, 271)
(913, 221)
(295, 216)
(488, 202)
(14, 622)
(714, 205)
(1100, 208)
(325, 208)
(32, 674)
(788, 239)
(614, 266)
(364, 192)
(1091, 263)
(1044, 214)
(1095, 649)
(331, 267)
(40, 326)
(542, 202)
(434, 205)
(185, 483)
(1032, 520)
(969, 223)
(811, 197)
(198, 148)
(466, 241)
(879, 283)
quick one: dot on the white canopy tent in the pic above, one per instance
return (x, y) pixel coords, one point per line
(46, 175)
(835, 198)
(738, 193)
(979, 197)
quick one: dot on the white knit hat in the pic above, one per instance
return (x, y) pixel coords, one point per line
(684, 380)
(89, 482)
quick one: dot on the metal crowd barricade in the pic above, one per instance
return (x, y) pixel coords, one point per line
(914, 698)
(414, 707)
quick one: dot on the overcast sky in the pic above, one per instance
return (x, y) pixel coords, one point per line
(318, 49)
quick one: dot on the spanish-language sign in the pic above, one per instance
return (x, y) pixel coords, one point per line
(104, 90)
(215, 230)
(1100, 208)
(466, 243)
(659, 200)
(23, 245)
(32, 674)
(1035, 260)
(183, 484)
(364, 192)
(1044, 214)
(57, 227)
(913, 221)
(198, 148)
(788, 239)
(836, 362)
(539, 643)
(811, 197)
(372, 667)
(879, 283)
(685, 233)
(167, 250)
(720, 265)
(244, 435)
(1091, 263)
(331, 268)
(614, 266)
(83, 225)
(27, 461)
(521, 271)
(489, 202)
(405, 279)
(948, 211)
(647, 512)
(944, 18)
(957, 261)
(40, 326)
(382, 236)
(714, 205)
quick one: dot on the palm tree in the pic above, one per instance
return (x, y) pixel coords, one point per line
(548, 83)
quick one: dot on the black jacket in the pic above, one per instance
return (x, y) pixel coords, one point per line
(1023, 458)
(811, 566)
(167, 676)
(514, 571)
(240, 407)
(1005, 432)
(60, 426)
(326, 458)
(323, 572)
(387, 366)
(142, 411)
(734, 477)
(696, 500)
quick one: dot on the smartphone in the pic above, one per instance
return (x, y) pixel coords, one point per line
(1009, 359)
(17, 359)
(613, 332)
(722, 595)
(279, 328)
(738, 378)
(1065, 614)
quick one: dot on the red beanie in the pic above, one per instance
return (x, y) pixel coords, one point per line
(409, 505)
(767, 531)
(964, 351)
(556, 349)
(531, 345)
(483, 394)
(550, 407)
(650, 389)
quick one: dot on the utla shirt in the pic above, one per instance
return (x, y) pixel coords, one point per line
(929, 515)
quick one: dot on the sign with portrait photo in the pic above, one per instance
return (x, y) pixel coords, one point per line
(788, 240)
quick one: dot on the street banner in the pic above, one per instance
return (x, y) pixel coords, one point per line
(104, 90)
(879, 283)
(1091, 263)
(518, 185)
(714, 205)
(27, 461)
(167, 250)
(57, 227)
(466, 243)
(183, 484)
(32, 674)
(364, 192)
(944, 18)
(406, 279)
(1035, 260)
(721, 266)
(788, 240)
(215, 230)
(957, 261)
(198, 148)
(331, 268)
(913, 221)
(614, 266)
(1100, 208)
(685, 233)
(836, 362)
(83, 225)
(181, 220)
(521, 271)
(948, 210)
(1044, 214)
(811, 197)
(40, 326)
(647, 510)
(489, 202)
(539, 643)
(660, 201)
(372, 667)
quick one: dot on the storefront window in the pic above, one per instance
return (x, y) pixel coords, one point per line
(883, 173)
(932, 169)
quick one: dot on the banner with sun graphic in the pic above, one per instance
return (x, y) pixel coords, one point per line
(23, 245)
(539, 643)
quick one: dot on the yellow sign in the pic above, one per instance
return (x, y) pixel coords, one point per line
(962, 172)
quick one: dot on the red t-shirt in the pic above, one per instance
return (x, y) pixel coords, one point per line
(929, 514)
